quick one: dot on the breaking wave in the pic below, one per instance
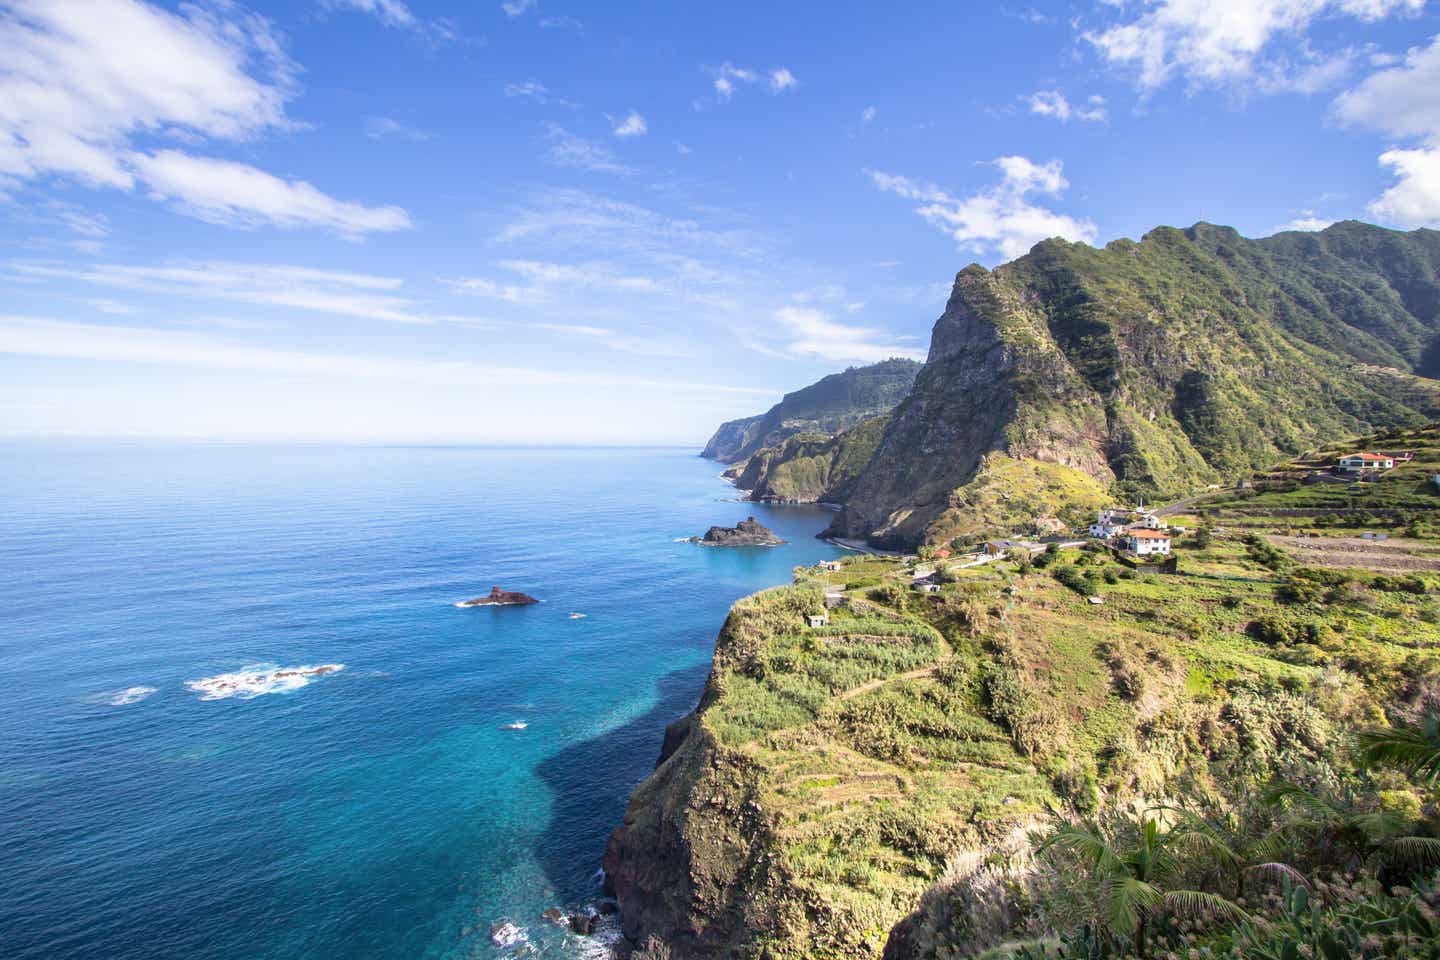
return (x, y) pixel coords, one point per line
(259, 680)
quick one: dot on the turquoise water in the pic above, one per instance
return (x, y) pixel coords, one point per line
(382, 810)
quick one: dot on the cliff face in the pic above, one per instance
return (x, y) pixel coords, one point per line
(1191, 357)
(829, 406)
(810, 468)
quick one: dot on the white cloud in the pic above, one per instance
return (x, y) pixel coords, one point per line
(813, 333)
(378, 128)
(95, 225)
(279, 285)
(728, 76)
(1306, 223)
(867, 115)
(30, 336)
(1214, 42)
(1001, 218)
(568, 150)
(1053, 103)
(392, 13)
(632, 125)
(226, 192)
(83, 80)
(782, 79)
(1403, 101)
(1414, 201)
(682, 149)
(517, 8)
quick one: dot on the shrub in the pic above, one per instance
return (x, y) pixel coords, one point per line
(1071, 577)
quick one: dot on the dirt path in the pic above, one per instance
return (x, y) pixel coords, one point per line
(879, 682)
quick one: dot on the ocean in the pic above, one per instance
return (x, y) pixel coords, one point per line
(391, 808)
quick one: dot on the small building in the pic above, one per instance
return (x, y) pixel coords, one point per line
(1148, 543)
(1096, 601)
(1362, 463)
(1046, 526)
(930, 587)
(832, 566)
(817, 620)
(1149, 521)
(943, 553)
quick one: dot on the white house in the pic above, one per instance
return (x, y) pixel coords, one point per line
(1148, 543)
(1365, 463)
(815, 620)
(1111, 523)
(1149, 521)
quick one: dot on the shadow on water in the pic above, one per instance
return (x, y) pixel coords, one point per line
(592, 780)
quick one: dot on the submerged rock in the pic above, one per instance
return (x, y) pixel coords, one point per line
(500, 598)
(582, 923)
(746, 533)
(506, 934)
(554, 915)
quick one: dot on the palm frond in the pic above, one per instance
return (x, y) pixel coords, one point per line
(1198, 905)
(1413, 749)
(1289, 795)
(1413, 851)
(1281, 871)
(1085, 841)
(1126, 899)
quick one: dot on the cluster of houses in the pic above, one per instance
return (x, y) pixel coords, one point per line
(1138, 531)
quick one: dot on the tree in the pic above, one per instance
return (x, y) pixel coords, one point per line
(1135, 870)
(1413, 748)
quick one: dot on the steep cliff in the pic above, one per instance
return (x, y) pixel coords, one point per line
(810, 468)
(830, 405)
(864, 788)
(1150, 368)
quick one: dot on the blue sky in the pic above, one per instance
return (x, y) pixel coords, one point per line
(548, 221)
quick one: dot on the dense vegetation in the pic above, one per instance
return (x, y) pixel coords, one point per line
(828, 406)
(810, 467)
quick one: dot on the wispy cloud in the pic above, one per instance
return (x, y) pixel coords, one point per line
(1306, 222)
(378, 128)
(31, 336)
(237, 194)
(392, 13)
(535, 90)
(1054, 104)
(518, 8)
(324, 291)
(814, 333)
(782, 79)
(541, 281)
(568, 150)
(1000, 218)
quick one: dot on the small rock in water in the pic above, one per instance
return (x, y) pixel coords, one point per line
(582, 923)
(506, 934)
(554, 915)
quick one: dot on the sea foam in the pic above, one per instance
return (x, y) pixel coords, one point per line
(129, 695)
(259, 680)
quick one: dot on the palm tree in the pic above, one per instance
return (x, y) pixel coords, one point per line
(1413, 748)
(1232, 839)
(1348, 828)
(1135, 874)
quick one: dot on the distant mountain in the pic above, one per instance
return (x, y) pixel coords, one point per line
(829, 406)
(1191, 357)
(810, 467)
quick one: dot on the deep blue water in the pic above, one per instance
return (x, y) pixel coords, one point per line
(381, 811)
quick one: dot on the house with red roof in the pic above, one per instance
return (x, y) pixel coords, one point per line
(1365, 463)
(1147, 543)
